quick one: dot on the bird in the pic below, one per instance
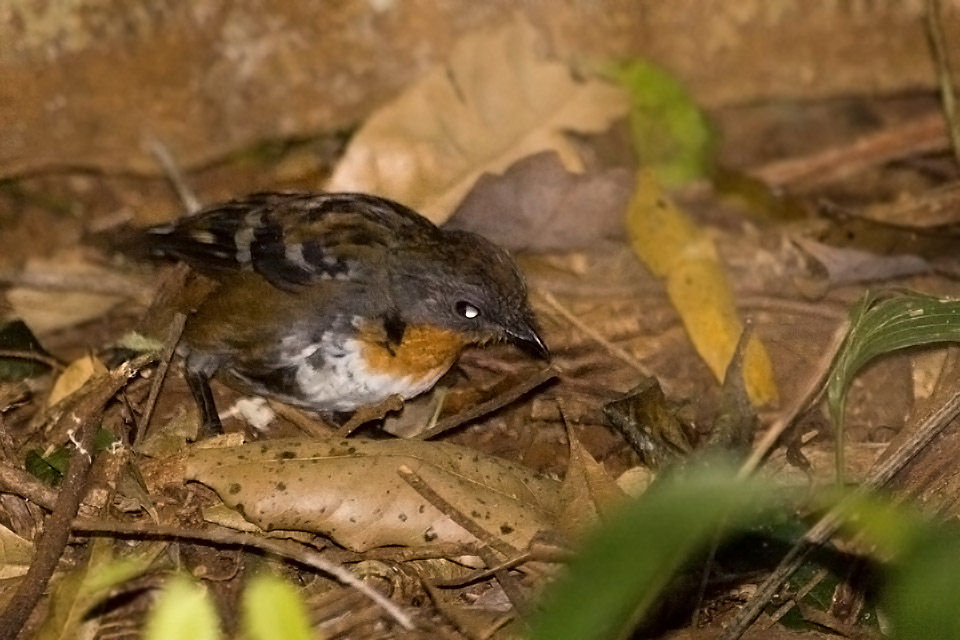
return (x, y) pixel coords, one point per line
(334, 302)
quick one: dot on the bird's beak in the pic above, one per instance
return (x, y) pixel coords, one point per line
(525, 335)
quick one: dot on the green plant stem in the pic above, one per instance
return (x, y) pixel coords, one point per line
(948, 93)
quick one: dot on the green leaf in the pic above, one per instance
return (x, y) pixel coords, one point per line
(625, 566)
(881, 323)
(184, 611)
(272, 608)
(919, 595)
(49, 469)
(79, 591)
(16, 336)
(670, 132)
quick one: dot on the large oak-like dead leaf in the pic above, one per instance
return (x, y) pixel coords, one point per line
(349, 490)
(497, 100)
(538, 205)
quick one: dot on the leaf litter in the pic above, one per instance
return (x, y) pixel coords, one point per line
(443, 147)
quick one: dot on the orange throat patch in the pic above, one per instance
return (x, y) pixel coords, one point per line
(425, 352)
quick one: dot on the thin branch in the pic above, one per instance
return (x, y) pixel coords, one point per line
(21, 483)
(100, 283)
(922, 135)
(592, 333)
(35, 356)
(172, 170)
(169, 347)
(496, 403)
(813, 388)
(281, 548)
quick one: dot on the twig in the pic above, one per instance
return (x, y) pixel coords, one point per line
(169, 347)
(419, 485)
(921, 135)
(594, 335)
(172, 170)
(403, 554)
(21, 483)
(310, 425)
(509, 584)
(101, 283)
(800, 595)
(280, 548)
(56, 528)
(482, 574)
(944, 76)
(489, 406)
(42, 358)
(824, 529)
(813, 388)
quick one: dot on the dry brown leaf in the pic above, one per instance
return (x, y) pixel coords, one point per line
(349, 490)
(16, 554)
(49, 310)
(848, 265)
(497, 100)
(539, 205)
(588, 492)
(74, 377)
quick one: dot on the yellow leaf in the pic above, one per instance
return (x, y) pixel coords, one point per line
(669, 242)
(497, 100)
(74, 377)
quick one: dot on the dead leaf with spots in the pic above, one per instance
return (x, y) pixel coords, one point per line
(497, 100)
(350, 491)
(539, 205)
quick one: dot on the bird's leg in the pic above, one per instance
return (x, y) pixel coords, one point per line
(197, 373)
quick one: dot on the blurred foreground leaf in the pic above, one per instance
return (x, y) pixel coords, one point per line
(272, 608)
(79, 591)
(624, 567)
(881, 323)
(671, 134)
(184, 611)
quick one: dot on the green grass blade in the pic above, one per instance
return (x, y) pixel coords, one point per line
(882, 323)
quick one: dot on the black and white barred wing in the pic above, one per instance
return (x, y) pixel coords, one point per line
(291, 239)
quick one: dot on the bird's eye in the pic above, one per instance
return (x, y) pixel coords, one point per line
(467, 310)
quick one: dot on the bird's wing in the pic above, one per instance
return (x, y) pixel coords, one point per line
(291, 239)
